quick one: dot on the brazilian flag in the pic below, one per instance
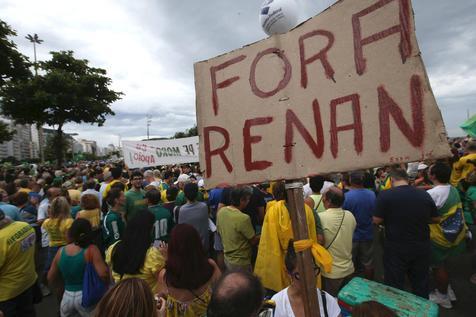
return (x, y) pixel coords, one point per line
(469, 127)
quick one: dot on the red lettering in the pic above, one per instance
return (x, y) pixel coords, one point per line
(322, 55)
(209, 153)
(225, 83)
(403, 28)
(317, 146)
(284, 81)
(356, 126)
(248, 140)
(387, 107)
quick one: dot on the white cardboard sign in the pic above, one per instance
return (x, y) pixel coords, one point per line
(345, 90)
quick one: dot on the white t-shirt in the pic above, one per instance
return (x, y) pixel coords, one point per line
(43, 214)
(283, 306)
(103, 187)
(440, 194)
(306, 190)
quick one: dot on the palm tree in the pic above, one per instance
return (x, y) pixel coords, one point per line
(36, 40)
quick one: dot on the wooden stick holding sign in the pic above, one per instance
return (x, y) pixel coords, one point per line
(295, 203)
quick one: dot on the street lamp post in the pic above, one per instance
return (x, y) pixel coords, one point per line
(149, 120)
(36, 40)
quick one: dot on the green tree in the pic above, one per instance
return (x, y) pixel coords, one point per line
(67, 90)
(52, 141)
(14, 66)
(193, 131)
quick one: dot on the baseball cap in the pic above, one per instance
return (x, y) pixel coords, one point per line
(183, 178)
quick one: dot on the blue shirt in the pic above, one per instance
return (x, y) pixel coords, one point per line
(214, 198)
(10, 211)
(361, 203)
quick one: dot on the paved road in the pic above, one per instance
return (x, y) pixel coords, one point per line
(460, 270)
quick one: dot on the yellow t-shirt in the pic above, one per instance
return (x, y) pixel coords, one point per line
(108, 187)
(24, 190)
(57, 233)
(93, 215)
(153, 264)
(75, 195)
(17, 262)
(462, 168)
(338, 240)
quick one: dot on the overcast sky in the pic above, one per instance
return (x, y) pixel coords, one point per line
(148, 48)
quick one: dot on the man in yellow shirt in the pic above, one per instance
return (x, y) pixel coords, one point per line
(116, 174)
(338, 226)
(464, 165)
(17, 267)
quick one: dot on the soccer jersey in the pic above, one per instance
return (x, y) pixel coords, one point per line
(113, 227)
(163, 222)
(17, 263)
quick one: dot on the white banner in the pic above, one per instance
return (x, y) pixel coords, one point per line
(139, 154)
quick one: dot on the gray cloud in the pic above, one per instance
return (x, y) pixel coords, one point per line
(148, 48)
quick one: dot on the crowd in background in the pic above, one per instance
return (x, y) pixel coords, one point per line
(165, 246)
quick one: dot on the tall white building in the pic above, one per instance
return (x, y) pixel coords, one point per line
(89, 146)
(21, 146)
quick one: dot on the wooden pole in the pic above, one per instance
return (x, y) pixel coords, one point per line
(295, 203)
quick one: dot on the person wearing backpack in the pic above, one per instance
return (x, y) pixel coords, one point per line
(69, 266)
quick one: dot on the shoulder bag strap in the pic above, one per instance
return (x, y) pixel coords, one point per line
(337, 232)
(318, 204)
(89, 257)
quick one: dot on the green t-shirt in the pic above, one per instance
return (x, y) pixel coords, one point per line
(163, 222)
(113, 227)
(469, 210)
(135, 201)
(236, 231)
(181, 200)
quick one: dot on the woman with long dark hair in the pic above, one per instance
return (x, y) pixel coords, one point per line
(134, 255)
(69, 264)
(188, 275)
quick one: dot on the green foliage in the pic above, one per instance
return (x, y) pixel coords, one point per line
(53, 142)
(5, 133)
(14, 66)
(67, 90)
(193, 131)
(9, 161)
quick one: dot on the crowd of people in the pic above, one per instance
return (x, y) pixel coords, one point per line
(161, 244)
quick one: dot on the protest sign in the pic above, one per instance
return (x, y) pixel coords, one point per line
(345, 90)
(160, 152)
